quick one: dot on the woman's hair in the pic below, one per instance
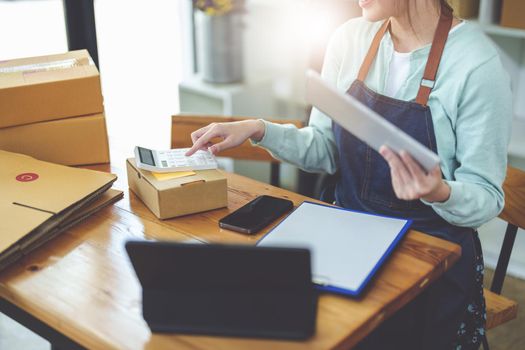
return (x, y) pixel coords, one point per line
(439, 5)
(445, 3)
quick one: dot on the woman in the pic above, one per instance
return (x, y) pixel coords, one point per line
(441, 81)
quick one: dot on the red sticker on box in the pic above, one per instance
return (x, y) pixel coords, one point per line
(27, 177)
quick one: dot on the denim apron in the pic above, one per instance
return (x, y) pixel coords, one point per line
(450, 314)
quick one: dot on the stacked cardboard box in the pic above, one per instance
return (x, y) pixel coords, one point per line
(51, 108)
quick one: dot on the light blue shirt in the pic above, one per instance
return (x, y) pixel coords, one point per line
(471, 107)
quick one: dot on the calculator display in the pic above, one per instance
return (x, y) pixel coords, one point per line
(146, 156)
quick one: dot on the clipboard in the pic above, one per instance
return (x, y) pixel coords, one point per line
(348, 247)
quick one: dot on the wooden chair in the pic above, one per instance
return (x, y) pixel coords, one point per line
(183, 125)
(499, 308)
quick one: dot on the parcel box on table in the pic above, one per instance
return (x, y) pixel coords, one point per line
(71, 141)
(49, 87)
(206, 190)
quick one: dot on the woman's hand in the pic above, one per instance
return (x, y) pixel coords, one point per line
(410, 182)
(232, 134)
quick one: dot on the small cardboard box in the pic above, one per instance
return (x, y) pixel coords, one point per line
(206, 190)
(513, 14)
(72, 141)
(48, 87)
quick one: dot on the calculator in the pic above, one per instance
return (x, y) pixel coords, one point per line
(173, 160)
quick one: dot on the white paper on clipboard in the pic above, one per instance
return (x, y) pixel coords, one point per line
(347, 247)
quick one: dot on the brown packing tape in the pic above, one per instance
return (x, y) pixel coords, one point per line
(47, 66)
(42, 90)
(80, 55)
(12, 81)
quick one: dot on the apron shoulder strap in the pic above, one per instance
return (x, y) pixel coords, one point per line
(434, 58)
(372, 51)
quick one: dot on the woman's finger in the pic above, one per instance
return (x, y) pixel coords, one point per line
(396, 164)
(436, 171)
(397, 182)
(203, 140)
(205, 147)
(221, 146)
(198, 133)
(413, 167)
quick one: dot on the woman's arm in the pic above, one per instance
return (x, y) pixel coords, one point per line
(482, 136)
(311, 148)
(475, 195)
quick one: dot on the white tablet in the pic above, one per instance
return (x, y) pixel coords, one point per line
(363, 122)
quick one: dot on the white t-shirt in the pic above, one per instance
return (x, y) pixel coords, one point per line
(400, 68)
(398, 72)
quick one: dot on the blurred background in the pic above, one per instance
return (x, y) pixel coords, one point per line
(155, 61)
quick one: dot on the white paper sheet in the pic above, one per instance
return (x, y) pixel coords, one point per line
(346, 246)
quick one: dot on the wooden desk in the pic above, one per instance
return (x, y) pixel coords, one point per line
(81, 286)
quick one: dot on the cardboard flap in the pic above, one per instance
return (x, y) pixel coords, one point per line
(95, 205)
(40, 198)
(16, 220)
(193, 182)
(46, 186)
(34, 191)
(26, 244)
(199, 177)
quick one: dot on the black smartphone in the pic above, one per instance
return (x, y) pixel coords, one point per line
(256, 215)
